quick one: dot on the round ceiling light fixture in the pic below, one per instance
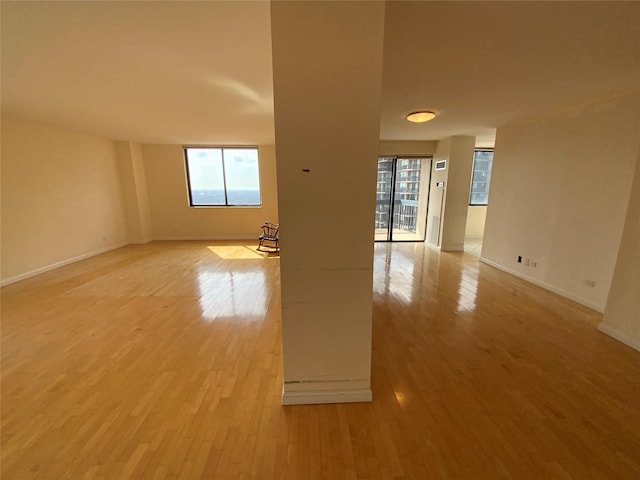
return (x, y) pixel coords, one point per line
(421, 116)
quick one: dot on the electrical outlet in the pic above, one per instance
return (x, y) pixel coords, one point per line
(534, 263)
(526, 262)
(589, 283)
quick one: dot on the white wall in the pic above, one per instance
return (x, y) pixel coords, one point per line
(173, 218)
(61, 198)
(622, 314)
(476, 216)
(559, 192)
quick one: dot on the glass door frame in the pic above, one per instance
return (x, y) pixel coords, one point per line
(426, 166)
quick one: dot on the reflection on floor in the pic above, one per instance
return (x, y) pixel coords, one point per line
(399, 235)
(473, 245)
(164, 361)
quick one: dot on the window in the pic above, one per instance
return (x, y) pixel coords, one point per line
(481, 179)
(223, 176)
(400, 205)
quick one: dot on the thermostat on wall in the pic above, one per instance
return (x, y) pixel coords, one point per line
(441, 165)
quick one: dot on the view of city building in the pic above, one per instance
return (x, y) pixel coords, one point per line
(481, 179)
(400, 179)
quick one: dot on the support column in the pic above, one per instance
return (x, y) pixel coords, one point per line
(327, 69)
(449, 193)
(621, 319)
(134, 191)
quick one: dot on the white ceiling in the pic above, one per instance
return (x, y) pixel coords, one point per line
(481, 65)
(200, 72)
(154, 72)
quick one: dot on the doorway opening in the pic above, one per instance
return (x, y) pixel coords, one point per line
(402, 197)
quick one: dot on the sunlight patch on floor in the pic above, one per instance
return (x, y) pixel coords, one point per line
(240, 252)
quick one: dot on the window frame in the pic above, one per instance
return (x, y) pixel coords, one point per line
(222, 149)
(473, 169)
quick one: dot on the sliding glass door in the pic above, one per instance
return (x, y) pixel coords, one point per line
(401, 198)
(383, 198)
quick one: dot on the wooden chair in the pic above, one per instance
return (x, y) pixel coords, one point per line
(270, 236)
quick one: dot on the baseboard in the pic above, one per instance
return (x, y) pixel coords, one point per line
(546, 286)
(62, 263)
(53, 266)
(320, 397)
(621, 337)
(140, 242)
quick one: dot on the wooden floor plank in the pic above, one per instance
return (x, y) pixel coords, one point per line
(164, 361)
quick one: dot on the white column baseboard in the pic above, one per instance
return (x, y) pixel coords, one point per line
(326, 396)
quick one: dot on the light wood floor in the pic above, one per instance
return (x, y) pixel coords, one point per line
(164, 361)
